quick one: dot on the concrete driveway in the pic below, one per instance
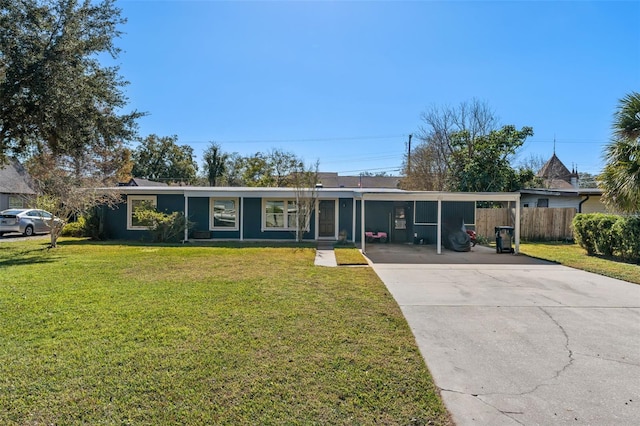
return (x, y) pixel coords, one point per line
(527, 343)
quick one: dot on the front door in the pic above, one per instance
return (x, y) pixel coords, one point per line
(327, 218)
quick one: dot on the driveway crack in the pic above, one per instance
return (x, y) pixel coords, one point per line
(505, 413)
(566, 344)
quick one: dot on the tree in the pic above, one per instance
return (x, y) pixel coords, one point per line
(162, 159)
(68, 189)
(273, 169)
(232, 175)
(587, 180)
(54, 93)
(433, 158)
(533, 163)
(59, 106)
(256, 170)
(621, 176)
(482, 163)
(214, 163)
(283, 165)
(304, 181)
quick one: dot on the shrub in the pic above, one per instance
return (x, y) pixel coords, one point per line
(74, 229)
(603, 236)
(91, 227)
(608, 235)
(627, 238)
(581, 234)
(163, 227)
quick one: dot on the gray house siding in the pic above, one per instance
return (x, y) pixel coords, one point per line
(345, 217)
(378, 216)
(455, 210)
(199, 214)
(115, 224)
(115, 219)
(426, 219)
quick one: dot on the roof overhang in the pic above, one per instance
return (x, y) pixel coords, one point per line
(438, 196)
(233, 192)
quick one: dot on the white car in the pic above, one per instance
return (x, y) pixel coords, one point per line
(25, 221)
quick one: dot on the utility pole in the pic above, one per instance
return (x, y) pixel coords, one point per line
(409, 156)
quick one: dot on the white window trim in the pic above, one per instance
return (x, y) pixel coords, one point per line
(130, 200)
(263, 218)
(15, 202)
(212, 201)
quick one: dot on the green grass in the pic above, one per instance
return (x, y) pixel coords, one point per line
(346, 256)
(145, 335)
(576, 257)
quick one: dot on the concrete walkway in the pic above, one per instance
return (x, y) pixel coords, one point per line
(325, 256)
(529, 344)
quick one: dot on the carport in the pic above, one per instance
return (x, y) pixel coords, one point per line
(436, 199)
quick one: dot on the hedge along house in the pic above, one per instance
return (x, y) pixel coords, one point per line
(250, 214)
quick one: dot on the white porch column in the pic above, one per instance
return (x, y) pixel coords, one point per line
(439, 228)
(353, 219)
(241, 218)
(186, 217)
(362, 238)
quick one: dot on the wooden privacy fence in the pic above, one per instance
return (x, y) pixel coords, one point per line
(536, 223)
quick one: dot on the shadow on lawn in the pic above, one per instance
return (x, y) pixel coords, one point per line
(199, 244)
(27, 256)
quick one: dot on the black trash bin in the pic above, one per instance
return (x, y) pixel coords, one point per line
(504, 239)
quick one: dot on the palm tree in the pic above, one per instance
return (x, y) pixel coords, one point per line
(621, 176)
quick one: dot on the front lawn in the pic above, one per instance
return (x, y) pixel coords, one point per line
(349, 256)
(142, 334)
(576, 257)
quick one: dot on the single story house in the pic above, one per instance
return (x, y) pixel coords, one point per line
(584, 200)
(16, 191)
(234, 213)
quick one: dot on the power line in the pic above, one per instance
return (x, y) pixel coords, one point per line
(249, 141)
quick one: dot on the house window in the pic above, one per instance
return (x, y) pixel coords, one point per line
(543, 202)
(279, 214)
(400, 219)
(525, 205)
(224, 214)
(16, 202)
(134, 202)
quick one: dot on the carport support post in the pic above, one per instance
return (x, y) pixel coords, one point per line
(516, 225)
(439, 228)
(186, 216)
(362, 225)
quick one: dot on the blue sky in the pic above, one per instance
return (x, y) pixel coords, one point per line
(345, 82)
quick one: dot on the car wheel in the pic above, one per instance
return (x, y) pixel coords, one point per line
(28, 231)
(383, 239)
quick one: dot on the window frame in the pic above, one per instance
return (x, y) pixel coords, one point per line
(130, 200)
(15, 202)
(285, 213)
(544, 201)
(236, 203)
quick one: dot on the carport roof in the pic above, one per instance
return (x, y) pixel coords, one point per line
(399, 195)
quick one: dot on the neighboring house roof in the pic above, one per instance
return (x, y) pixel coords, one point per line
(142, 182)
(14, 179)
(557, 175)
(332, 180)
